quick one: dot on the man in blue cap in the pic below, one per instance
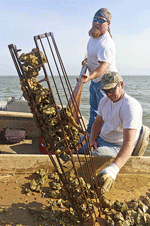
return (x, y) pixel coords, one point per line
(100, 58)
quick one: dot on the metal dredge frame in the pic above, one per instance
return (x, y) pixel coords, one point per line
(89, 214)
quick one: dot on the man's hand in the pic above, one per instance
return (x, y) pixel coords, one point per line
(93, 144)
(85, 78)
(84, 61)
(105, 182)
(106, 178)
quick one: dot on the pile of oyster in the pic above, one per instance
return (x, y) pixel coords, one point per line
(55, 217)
(135, 212)
(32, 62)
(54, 121)
(59, 198)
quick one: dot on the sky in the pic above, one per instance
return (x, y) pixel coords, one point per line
(70, 22)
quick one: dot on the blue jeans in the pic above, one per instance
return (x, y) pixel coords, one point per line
(104, 148)
(95, 97)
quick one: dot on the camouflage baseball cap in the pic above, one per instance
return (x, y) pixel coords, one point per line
(110, 79)
(104, 12)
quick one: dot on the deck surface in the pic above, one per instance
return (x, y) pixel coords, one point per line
(28, 146)
(12, 196)
(19, 162)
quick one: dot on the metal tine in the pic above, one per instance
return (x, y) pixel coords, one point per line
(80, 185)
(68, 84)
(63, 70)
(13, 52)
(86, 188)
(84, 202)
(69, 87)
(36, 39)
(39, 37)
(62, 66)
(61, 62)
(15, 57)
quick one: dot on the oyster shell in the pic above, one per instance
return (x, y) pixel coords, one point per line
(52, 116)
(146, 200)
(119, 206)
(118, 217)
(142, 206)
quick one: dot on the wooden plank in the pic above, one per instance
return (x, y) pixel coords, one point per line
(28, 163)
(15, 114)
(23, 163)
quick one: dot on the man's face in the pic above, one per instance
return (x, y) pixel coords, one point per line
(99, 26)
(115, 93)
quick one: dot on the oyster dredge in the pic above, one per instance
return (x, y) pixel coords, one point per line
(60, 126)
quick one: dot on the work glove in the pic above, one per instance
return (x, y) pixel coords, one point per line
(106, 178)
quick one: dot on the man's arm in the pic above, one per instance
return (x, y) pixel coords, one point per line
(96, 129)
(126, 148)
(108, 175)
(98, 72)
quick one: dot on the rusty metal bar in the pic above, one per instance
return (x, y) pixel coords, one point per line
(50, 143)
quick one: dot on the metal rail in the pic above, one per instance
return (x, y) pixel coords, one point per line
(79, 192)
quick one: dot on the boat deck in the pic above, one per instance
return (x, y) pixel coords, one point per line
(19, 162)
(133, 181)
(28, 146)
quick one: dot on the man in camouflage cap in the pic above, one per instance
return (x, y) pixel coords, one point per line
(110, 79)
(116, 129)
(100, 58)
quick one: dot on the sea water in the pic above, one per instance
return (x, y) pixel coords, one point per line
(136, 86)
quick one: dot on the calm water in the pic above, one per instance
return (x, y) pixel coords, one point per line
(136, 86)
